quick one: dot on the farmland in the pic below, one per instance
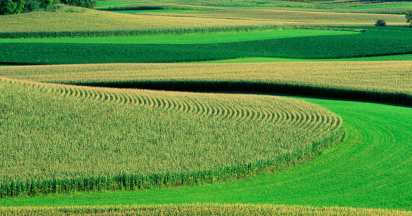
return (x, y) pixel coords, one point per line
(314, 78)
(375, 42)
(206, 107)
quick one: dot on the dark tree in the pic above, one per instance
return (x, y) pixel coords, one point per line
(380, 23)
(409, 17)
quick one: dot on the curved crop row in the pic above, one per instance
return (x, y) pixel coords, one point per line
(382, 81)
(58, 138)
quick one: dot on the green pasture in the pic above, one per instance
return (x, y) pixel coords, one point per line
(207, 38)
(369, 169)
(403, 4)
(371, 43)
(151, 11)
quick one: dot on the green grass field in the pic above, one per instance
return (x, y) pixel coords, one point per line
(111, 3)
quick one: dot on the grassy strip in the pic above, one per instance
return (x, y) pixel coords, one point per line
(284, 3)
(384, 42)
(111, 3)
(111, 33)
(156, 7)
(200, 209)
(150, 11)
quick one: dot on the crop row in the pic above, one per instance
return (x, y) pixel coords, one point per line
(370, 43)
(112, 33)
(62, 139)
(384, 81)
(199, 209)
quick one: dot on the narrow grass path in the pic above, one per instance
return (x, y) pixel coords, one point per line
(371, 168)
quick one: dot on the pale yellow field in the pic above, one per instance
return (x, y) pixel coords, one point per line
(298, 17)
(71, 18)
(199, 209)
(389, 76)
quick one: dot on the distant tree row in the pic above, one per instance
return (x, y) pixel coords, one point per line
(19, 6)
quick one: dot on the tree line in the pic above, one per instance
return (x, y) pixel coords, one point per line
(19, 6)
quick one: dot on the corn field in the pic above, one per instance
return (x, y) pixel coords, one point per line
(63, 139)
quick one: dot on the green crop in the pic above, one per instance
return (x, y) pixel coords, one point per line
(205, 38)
(384, 42)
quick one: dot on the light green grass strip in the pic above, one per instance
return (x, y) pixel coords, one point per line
(112, 3)
(406, 57)
(398, 5)
(371, 168)
(226, 37)
(151, 11)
